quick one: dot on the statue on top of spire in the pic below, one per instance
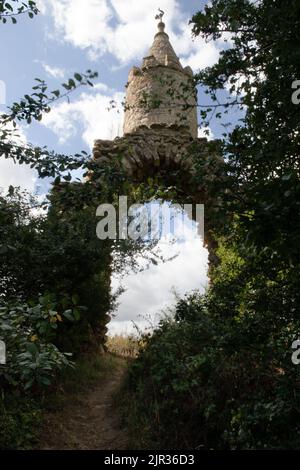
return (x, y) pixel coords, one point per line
(160, 15)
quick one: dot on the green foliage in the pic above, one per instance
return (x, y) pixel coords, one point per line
(260, 65)
(19, 421)
(56, 252)
(9, 10)
(38, 102)
(28, 331)
(32, 107)
(205, 381)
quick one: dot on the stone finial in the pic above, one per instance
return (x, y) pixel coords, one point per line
(161, 27)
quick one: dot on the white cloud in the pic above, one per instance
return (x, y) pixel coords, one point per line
(89, 115)
(148, 292)
(101, 87)
(84, 24)
(53, 71)
(126, 29)
(14, 174)
(202, 55)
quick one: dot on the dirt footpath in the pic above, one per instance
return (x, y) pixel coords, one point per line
(91, 422)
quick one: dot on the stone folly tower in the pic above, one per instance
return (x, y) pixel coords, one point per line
(158, 92)
(160, 115)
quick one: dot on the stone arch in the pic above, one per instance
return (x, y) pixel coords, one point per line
(147, 151)
(162, 141)
(167, 154)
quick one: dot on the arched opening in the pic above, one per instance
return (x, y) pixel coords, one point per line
(150, 292)
(160, 164)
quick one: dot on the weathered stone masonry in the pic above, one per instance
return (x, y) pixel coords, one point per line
(164, 82)
(159, 136)
(146, 151)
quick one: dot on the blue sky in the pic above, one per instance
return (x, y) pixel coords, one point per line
(108, 36)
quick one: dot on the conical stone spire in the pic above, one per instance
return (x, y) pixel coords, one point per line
(150, 97)
(162, 49)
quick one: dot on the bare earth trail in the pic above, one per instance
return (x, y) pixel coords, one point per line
(92, 421)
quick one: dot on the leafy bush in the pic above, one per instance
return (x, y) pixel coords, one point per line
(33, 361)
(19, 421)
(28, 331)
(55, 252)
(219, 374)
